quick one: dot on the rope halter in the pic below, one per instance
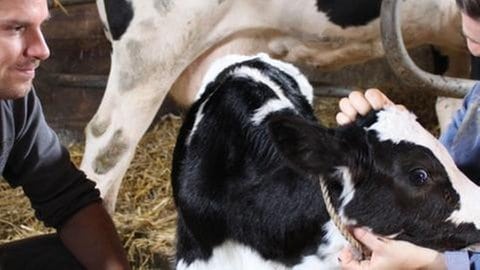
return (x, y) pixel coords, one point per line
(359, 251)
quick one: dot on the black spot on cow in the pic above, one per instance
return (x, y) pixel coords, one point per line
(350, 12)
(119, 15)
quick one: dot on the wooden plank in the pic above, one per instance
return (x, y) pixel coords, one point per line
(78, 80)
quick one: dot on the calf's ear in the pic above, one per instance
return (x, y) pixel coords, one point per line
(306, 145)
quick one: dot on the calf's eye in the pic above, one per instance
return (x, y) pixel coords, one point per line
(418, 177)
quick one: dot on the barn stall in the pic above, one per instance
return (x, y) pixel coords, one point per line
(70, 85)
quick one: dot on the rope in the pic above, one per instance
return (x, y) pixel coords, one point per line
(358, 249)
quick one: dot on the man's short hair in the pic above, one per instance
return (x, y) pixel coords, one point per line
(470, 7)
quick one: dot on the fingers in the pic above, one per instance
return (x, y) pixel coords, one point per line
(352, 106)
(370, 240)
(377, 99)
(346, 259)
(342, 119)
(359, 103)
(347, 112)
(348, 262)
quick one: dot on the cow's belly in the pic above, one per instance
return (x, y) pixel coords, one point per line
(235, 256)
(324, 56)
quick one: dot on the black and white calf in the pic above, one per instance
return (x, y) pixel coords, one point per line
(246, 174)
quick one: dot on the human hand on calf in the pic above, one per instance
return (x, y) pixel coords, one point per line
(361, 103)
(390, 254)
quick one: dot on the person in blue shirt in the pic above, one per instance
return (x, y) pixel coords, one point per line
(31, 157)
(462, 139)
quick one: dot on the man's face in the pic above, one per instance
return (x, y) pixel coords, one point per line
(22, 45)
(471, 31)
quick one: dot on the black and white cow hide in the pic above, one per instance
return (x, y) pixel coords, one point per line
(166, 46)
(246, 174)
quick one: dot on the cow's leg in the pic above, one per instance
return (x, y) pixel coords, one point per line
(114, 132)
(146, 59)
(137, 86)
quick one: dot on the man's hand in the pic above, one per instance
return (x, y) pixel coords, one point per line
(91, 237)
(391, 254)
(358, 103)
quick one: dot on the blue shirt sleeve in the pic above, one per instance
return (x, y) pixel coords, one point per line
(457, 260)
(462, 260)
(462, 137)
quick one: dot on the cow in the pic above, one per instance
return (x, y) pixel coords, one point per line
(248, 163)
(158, 45)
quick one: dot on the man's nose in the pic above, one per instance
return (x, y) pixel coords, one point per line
(36, 45)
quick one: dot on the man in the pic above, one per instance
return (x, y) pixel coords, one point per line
(462, 139)
(31, 157)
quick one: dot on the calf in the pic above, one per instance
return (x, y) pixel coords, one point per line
(157, 43)
(247, 165)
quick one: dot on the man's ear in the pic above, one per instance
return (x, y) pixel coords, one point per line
(306, 145)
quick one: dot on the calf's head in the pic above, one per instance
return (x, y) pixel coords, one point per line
(386, 172)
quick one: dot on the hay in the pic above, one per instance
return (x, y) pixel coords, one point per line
(145, 215)
(58, 4)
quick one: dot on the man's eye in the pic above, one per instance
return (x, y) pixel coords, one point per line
(18, 28)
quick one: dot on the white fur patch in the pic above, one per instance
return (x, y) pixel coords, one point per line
(347, 194)
(235, 256)
(198, 118)
(232, 256)
(327, 253)
(271, 106)
(219, 65)
(400, 125)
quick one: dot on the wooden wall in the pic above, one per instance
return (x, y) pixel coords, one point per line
(79, 51)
